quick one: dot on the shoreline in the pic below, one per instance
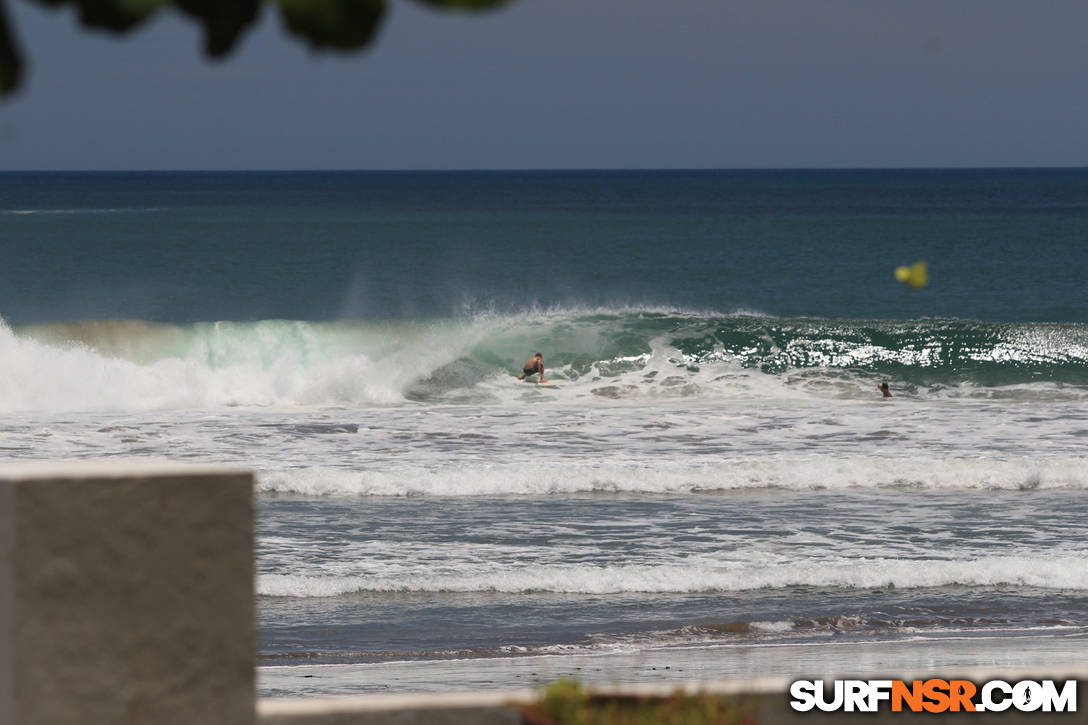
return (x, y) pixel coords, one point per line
(937, 657)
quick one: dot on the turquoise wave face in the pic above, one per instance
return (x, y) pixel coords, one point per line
(920, 352)
(609, 353)
(930, 352)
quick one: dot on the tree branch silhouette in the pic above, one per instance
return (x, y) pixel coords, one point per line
(340, 25)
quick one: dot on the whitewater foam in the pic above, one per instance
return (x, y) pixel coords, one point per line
(615, 355)
(134, 366)
(601, 356)
(1056, 572)
(799, 474)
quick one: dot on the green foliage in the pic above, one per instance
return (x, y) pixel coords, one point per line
(343, 25)
(331, 23)
(567, 703)
(223, 21)
(116, 15)
(10, 65)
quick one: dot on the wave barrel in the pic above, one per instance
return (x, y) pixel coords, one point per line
(126, 594)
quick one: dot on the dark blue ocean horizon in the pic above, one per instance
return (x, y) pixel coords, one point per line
(1002, 244)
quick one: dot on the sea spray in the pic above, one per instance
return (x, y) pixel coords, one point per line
(607, 354)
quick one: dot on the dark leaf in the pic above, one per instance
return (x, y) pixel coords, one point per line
(11, 66)
(116, 15)
(223, 20)
(338, 24)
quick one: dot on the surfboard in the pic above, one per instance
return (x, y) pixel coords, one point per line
(545, 384)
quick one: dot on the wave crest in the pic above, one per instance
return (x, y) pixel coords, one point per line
(607, 354)
(1057, 572)
(731, 475)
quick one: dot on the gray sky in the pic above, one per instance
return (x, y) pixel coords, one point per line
(570, 84)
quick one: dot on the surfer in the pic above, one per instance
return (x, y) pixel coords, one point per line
(884, 389)
(534, 365)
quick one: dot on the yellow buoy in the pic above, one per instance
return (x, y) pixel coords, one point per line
(915, 275)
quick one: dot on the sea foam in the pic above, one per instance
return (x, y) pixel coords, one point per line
(1065, 572)
(770, 472)
(594, 355)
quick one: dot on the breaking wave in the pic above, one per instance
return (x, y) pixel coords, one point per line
(762, 472)
(1054, 572)
(619, 354)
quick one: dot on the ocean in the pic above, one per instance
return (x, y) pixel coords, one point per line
(714, 486)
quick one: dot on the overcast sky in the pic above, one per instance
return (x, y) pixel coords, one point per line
(570, 84)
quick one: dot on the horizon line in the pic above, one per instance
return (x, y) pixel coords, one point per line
(586, 169)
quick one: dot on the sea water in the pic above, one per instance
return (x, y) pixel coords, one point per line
(715, 486)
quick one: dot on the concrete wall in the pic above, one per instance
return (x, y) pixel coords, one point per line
(126, 594)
